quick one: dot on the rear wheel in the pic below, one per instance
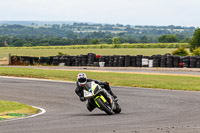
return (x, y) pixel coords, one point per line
(104, 107)
(118, 109)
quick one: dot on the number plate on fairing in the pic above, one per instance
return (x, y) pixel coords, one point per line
(87, 94)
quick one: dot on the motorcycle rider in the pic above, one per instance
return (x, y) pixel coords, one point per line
(81, 83)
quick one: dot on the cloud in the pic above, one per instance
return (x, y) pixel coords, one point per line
(135, 12)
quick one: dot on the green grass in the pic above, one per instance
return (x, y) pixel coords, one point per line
(109, 46)
(121, 51)
(15, 107)
(116, 79)
(147, 49)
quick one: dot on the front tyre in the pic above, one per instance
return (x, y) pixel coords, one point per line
(104, 107)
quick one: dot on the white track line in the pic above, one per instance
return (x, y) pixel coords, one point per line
(37, 79)
(42, 111)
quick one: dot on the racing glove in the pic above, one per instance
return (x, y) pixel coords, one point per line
(106, 83)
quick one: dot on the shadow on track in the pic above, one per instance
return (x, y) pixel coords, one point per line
(99, 114)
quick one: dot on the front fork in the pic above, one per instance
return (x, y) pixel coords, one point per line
(105, 97)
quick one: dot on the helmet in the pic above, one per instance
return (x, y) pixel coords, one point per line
(82, 79)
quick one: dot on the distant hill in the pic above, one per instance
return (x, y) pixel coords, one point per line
(40, 23)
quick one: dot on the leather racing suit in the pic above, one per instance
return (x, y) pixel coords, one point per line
(105, 85)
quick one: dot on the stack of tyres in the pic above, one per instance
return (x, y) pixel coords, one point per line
(84, 60)
(163, 62)
(44, 60)
(193, 61)
(111, 61)
(51, 60)
(198, 62)
(91, 59)
(186, 61)
(34, 60)
(176, 61)
(121, 61)
(96, 61)
(77, 61)
(62, 60)
(156, 60)
(73, 60)
(80, 60)
(181, 62)
(133, 61)
(25, 60)
(116, 61)
(56, 60)
(127, 62)
(139, 60)
(67, 60)
(107, 58)
(170, 61)
(101, 59)
(96, 64)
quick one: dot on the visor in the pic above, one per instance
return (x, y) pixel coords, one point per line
(82, 80)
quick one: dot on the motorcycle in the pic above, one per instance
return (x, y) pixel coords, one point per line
(101, 98)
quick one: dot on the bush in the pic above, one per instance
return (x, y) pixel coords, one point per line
(60, 53)
(181, 51)
(196, 52)
(195, 42)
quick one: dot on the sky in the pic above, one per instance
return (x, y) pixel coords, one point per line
(132, 12)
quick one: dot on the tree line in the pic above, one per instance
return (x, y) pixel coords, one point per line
(84, 33)
(60, 41)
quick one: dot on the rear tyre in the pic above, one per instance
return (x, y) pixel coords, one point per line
(104, 107)
(118, 109)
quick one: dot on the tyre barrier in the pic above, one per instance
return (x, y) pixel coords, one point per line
(24, 60)
(92, 59)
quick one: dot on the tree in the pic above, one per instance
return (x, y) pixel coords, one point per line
(168, 39)
(196, 52)
(18, 43)
(94, 41)
(195, 42)
(115, 40)
(144, 39)
(27, 45)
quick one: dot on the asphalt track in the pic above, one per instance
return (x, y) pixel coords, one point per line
(143, 110)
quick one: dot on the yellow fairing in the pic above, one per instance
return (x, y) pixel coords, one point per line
(93, 88)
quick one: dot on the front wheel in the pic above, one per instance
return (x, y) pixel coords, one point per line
(104, 107)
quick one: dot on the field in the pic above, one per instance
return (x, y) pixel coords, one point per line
(147, 49)
(119, 51)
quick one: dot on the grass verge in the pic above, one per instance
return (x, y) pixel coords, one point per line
(119, 51)
(172, 82)
(7, 107)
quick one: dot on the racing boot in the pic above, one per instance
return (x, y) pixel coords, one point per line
(109, 98)
(107, 87)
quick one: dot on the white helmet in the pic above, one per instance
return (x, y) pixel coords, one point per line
(82, 79)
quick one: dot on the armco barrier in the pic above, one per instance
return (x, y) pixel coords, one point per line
(92, 59)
